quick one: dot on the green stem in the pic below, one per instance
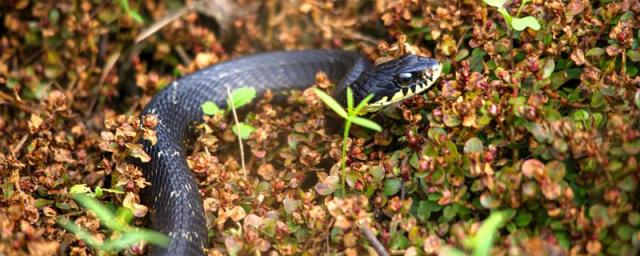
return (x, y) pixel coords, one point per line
(345, 138)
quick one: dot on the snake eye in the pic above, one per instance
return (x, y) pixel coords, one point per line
(405, 77)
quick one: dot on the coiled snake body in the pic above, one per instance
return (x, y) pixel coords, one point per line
(173, 197)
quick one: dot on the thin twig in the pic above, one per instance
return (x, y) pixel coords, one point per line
(17, 149)
(15, 102)
(186, 60)
(111, 62)
(377, 245)
(162, 22)
(235, 117)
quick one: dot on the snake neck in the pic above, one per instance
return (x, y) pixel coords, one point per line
(360, 66)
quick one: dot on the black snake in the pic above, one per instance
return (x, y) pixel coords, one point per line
(174, 200)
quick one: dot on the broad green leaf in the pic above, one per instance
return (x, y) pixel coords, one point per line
(80, 189)
(495, 3)
(547, 69)
(462, 54)
(449, 212)
(210, 108)
(99, 192)
(392, 186)
(131, 238)
(398, 241)
(242, 96)
(473, 145)
(81, 233)
(366, 123)
(521, 24)
(331, 103)
(634, 55)
(594, 52)
(446, 67)
(523, 218)
(483, 240)
(580, 115)
(124, 215)
(636, 98)
(125, 241)
(103, 213)
(243, 130)
(38, 203)
(425, 208)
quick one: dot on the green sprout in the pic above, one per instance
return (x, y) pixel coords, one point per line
(516, 23)
(239, 97)
(124, 4)
(236, 99)
(481, 243)
(350, 115)
(123, 235)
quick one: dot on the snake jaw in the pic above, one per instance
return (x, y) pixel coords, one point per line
(428, 77)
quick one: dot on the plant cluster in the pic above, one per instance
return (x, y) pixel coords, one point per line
(528, 142)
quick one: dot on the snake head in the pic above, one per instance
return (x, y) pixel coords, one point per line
(396, 80)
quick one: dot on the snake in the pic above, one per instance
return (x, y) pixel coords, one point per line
(174, 200)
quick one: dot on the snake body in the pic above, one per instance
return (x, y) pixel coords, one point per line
(174, 199)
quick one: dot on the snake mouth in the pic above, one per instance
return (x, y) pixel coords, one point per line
(428, 77)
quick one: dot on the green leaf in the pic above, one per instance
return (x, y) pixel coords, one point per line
(495, 3)
(99, 192)
(80, 189)
(483, 240)
(594, 52)
(462, 54)
(632, 147)
(243, 130)
(425, 208)
(115, 191)
(449, 212)
(124, 4)
(473, 145)
(129, 239)
(361, 105)
(102, 212)
(38, 203)
(521, 24)
(366, 123)
(349, 99)
(505, 15)
(636, 99)
(398, 241)
(634, 55)
(242, 96)
(580, 115)
(547, 69)
(331, 103)
(523, 219)
(392, 186)
(210, 108)
(446, 67)
(81, 233)
(136, 16)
